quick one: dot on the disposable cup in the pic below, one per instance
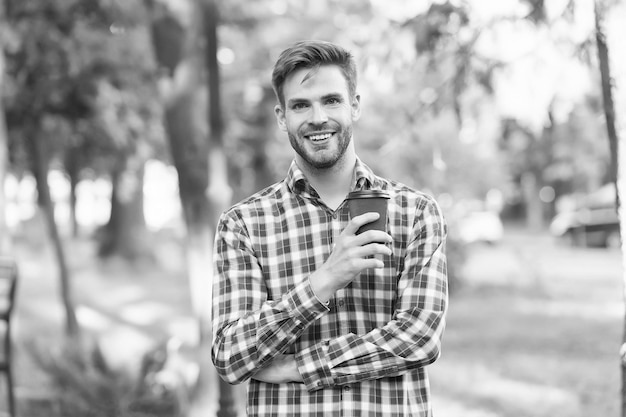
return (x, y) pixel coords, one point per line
(365, 201)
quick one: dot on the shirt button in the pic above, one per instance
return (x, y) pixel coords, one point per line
(340, 302)
(346, 388)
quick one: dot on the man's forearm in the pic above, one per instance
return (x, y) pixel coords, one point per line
(252, 341)
(282, 369)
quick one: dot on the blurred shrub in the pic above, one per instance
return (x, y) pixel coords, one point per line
(85, 386)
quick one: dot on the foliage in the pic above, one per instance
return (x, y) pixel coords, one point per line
(85, 386)
(428, 84)
(67, 53)
(417, 70)
(428, 88)
(432, 80)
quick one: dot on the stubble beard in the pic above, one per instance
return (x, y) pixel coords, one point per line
(322, 160)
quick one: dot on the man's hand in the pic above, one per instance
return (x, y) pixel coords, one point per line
(351, 255)
(282, 369)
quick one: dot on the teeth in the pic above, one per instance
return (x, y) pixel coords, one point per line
(320, 137)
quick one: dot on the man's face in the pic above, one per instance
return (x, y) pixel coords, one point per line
(318, 114)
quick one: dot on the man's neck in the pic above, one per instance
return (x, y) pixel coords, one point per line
(332, 184)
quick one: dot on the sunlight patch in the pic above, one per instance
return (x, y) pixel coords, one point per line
(92, 319)
(145, 313)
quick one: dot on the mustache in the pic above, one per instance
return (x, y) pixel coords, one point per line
(312, 128)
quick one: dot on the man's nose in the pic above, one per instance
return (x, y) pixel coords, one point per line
(318, 114)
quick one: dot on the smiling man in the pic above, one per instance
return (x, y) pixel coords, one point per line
(320, 320)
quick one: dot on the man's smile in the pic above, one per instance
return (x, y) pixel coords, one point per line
(319, 137)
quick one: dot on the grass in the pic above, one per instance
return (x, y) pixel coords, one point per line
(547, 346)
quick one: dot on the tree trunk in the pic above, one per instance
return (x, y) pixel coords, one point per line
(534, 206)
(618, 160)
(126, 233)
(39, 157)
(5, 237)
(188, 153)
(72, 168)
(176, 42)
(264, 130)
(219, 190)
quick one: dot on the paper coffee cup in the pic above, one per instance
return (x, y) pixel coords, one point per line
(365, 201)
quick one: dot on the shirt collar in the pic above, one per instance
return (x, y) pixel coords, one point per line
(363, 178)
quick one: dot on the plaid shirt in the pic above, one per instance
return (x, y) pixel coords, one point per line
(364, 353)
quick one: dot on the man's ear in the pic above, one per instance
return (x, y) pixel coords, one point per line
(280, 117)
(356, 107)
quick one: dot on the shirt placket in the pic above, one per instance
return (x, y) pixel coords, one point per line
(341, 317)
(339, 222)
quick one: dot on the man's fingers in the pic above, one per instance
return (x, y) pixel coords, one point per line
(373, 236)
(372, 249)
(360, 220)
(370, 263)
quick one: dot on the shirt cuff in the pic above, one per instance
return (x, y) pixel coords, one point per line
(304, 305)
(325, 304)
(313, 367)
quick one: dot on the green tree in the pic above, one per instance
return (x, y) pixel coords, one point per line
(37, 70)
(79, 84)
(194, 125)
(618, 159)
(5, 243)
(125, 127)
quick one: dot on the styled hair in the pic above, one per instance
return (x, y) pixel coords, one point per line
(312, 54)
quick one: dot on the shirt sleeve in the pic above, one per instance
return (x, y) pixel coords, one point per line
(413, 337)
(248, 329)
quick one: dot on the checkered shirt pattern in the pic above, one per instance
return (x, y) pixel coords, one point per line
(364, 353)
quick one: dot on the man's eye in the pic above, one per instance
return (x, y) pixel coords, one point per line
(333, 101)
(299, 106)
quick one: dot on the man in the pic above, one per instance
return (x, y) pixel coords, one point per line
(320, 320)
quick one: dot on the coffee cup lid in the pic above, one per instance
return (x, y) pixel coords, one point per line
(368, 194)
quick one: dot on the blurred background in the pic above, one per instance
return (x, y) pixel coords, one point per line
(126, 126)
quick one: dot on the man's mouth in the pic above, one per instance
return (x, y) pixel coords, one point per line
(320, 137)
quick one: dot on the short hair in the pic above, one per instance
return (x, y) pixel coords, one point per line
(313, 54)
